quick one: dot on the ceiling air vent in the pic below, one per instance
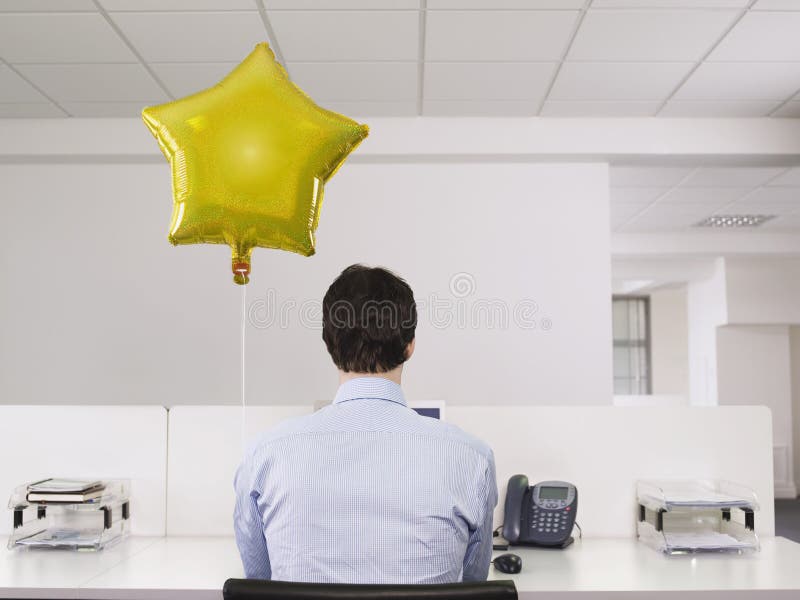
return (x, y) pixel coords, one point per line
(728, 221)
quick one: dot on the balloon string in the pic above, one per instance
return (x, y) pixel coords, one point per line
(244, 328)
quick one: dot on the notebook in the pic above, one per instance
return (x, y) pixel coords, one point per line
(63, 486)
(64, 490)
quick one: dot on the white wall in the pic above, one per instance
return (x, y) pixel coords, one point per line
(97, 307)
(669, 342)
(706, 310)
(765, 291)
(754, 368)
(794, 350)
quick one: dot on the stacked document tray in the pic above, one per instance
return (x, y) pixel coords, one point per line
(682, 517)
(50, 521)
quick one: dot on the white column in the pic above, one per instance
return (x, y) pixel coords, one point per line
(707, 310)
(753, 367)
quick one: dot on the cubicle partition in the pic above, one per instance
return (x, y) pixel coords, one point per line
(126, 442)
(602, 450)
(182, 464)
(205, 447)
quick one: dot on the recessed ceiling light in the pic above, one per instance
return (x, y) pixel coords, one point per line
(734, 220)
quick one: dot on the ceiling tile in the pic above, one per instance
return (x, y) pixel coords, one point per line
(342, 4)
(679, 212)
(776, 5)
(789, 110)
(634, 176)
(742, 81)
(763, 208)
(617, 81)
(715, 196)
(646, 224)
(14, 88)
(183, 79)
(354, 110)
(669, 3)
(663, 216)
(775, 195)
(347, 35)
(506, 4)
(784, 222)
(762, 36)
(60, 38)
(498, 35)
(789, 177)
(29, 111)
(718, 108)
(484, 108)
(649, 35)
(487, 81)
(95, 83)
(636, 195)
(623, 211)
(357, 81)
(46, 5)
(599, 108)
(192, 36)
(731, 176)
(105, 109)
(176, 5)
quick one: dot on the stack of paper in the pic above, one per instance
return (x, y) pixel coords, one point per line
(696, 498)
(703, 540)
(59, 538)
(704, 498)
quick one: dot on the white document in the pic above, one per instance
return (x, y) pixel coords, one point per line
(701, 499)
(704, 540)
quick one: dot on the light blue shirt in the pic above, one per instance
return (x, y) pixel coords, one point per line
(366, 491)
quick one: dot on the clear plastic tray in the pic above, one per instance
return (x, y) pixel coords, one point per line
(90, 525)
(685, 517)
(695, 494)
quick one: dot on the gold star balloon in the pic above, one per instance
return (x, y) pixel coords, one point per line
(250, 158)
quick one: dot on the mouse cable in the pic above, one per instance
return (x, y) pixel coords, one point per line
(496, 532)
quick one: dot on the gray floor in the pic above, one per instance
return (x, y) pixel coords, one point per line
(787, 519)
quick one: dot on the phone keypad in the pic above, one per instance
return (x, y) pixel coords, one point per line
(548, 521)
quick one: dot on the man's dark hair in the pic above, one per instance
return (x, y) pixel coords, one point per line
(368, 320)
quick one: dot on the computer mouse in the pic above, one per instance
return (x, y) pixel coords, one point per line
(508, 563)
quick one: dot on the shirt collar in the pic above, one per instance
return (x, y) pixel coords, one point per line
(375, 388)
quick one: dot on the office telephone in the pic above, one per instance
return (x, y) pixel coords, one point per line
(540, 515)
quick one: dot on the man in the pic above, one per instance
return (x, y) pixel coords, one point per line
(365, 490)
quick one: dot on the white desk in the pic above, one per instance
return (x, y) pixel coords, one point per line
(180, 568)
(43, 574)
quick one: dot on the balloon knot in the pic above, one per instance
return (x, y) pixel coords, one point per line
(241, 270)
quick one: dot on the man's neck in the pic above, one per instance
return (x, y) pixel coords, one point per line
(393, 375)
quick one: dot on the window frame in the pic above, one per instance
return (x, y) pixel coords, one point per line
(630, 343)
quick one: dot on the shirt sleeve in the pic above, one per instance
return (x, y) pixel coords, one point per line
(248, 529)
(479, 547)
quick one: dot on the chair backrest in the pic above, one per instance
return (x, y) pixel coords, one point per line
(255, 589)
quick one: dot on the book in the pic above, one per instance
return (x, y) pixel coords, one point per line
(64, 490)
(71, 497)
(64, 486)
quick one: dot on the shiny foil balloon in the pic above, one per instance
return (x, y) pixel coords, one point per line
(250, 158)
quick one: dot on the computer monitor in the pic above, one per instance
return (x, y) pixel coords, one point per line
(431, 408)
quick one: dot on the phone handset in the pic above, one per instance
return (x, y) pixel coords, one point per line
(512, 519)
(540, 515)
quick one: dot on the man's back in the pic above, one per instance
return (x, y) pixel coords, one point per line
(366, 491)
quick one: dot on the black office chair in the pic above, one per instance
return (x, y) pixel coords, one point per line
(257, 589)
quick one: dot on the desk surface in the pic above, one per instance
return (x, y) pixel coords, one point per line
(179, 568)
